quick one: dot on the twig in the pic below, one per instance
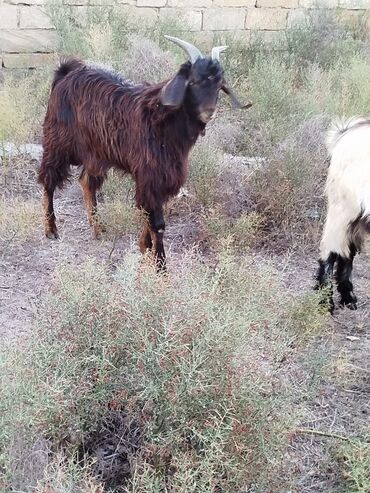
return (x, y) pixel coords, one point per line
(65, 213)
(320, 433)
(113, 246)
(359, 392)
(4, 287)
(339, 322)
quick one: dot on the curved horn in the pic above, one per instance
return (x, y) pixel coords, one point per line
(216, 51)
(190, 49)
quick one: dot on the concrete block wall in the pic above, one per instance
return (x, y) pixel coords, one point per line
(27, 37)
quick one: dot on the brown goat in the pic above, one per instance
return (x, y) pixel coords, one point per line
(97, 120)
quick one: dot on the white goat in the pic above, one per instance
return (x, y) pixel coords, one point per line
(348, 215)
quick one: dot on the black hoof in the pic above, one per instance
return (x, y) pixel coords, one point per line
(52, 235)
(161, 266)
(350, 306)
(349, 301)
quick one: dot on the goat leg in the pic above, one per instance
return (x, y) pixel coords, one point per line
(343, 277)
(324, 280)
(90, 185)
(157, 227)
(51, 230)
(145, 240)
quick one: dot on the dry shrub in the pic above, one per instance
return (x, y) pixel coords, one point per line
(170, 354)
(22, 106)
(320, 38)
(97, 33)
(240, 232)
(28, 462)
(225, 131)
(119, 218)
(18, 219)
(105, 34)
(118, 186)
(67, 475)
(18, 169)
(117, 212)
(146, 61)
(205, 166)
(288, 189)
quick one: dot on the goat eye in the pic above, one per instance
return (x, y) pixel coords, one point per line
(211, 77)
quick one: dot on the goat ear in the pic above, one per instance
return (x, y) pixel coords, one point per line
(236, 103)
(173, 92)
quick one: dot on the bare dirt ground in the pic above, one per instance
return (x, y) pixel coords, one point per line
(341, 406)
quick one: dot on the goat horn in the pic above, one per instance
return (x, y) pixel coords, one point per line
(190, 49)
(216, 51)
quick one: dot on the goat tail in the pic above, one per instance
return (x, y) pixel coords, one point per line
(338, 128)
(66, 66)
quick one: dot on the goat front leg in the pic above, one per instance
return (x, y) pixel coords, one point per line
(324, 279)
(145, 239)
(157, 227)
(90, 185)
(343, 277)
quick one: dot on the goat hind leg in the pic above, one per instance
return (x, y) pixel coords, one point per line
(51, 230)
(90, 185)
(53, 172)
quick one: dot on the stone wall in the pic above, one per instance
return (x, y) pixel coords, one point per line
(27, 37)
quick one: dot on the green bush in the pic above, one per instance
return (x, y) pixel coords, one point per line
(355, 458)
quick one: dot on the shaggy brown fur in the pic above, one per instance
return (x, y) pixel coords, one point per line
(97, 120)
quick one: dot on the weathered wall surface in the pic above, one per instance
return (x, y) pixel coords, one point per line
(27, 38)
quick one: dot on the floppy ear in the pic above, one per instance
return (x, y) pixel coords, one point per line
(236, 103)
(173, 92)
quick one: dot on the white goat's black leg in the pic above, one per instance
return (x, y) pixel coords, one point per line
(324, 279)
(344, 280)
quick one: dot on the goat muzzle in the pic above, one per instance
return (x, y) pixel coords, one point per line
(206, 116)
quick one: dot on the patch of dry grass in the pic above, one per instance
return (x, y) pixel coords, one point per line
(18, 219)
(22, 106)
